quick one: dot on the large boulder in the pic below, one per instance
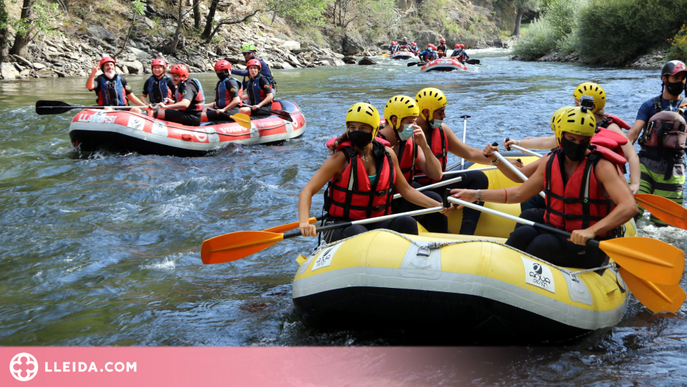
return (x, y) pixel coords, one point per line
(352, 43)
(328, 61)
(134, 67)
(101, 34)
(291, 45)
(367, 61)
(8, 71)
(427, 36)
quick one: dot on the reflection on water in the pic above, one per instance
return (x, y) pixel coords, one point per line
(105, 250)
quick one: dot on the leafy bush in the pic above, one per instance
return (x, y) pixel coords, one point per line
(616, 31)
(678, 48)
(539, 41)
(562, 15)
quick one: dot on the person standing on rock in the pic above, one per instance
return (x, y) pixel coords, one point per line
(661, 159)
(112, 89)
(159, 87)
(227, 95)
(258, 91)
(248, 50)
(189, 99)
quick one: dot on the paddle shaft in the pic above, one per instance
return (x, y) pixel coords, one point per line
(448, 173)
(465, 127)
(525, 150)
(435, 185)
(295, 233)
(515, 170)
(542, 226)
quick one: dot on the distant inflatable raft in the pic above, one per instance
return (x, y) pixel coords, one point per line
(123, 131)
(474, 287)
(443, 64)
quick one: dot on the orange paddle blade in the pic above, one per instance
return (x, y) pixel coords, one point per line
(656, 297)
(647, 258)
(242, 119)
(664, 209)
(236, 245)
(288, 227)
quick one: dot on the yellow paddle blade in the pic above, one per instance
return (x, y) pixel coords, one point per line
(288, 227)
(242, 119)
(236, 245)
(647, 258)
(664, 209)
(385, 55)
(656, 297)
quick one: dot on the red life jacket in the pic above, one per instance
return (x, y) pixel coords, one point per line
(198, 102)
(353, 197)
(438, 142)
(577, 204)
(407, 156)
(611, 119)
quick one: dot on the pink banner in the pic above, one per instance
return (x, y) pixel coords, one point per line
(250, 366)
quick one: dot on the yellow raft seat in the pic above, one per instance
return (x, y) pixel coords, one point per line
(474, 287)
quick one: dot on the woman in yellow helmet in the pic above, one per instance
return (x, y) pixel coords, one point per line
(605, 121)
(408, 142)
(363, 176)
(564, 174)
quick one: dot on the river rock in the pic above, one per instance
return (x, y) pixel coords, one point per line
(352, 43)
(8, 71)
(134, 67)
(291, 45)
(349, 59)
(327, 61)
(39, 66)
(367, 61)
(101, 34)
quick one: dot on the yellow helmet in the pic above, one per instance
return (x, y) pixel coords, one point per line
(554, 118)
(593, 90)
(365, 113)
(430, 98)
(576, 121)
(401, 107)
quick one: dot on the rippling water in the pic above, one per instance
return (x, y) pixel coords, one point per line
(105, 250)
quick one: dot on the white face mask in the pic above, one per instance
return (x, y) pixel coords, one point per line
(436, 123)
(407, 132)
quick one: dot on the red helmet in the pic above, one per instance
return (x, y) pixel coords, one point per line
(462, 45)
(434, 47)
(106, 59)
(413, 43)
(254, 62)
(222, 65)
(181, 70)
(673, 67)
(456, 46)
(442, 40)
(429, 45)
(394, 42)
(159, 62)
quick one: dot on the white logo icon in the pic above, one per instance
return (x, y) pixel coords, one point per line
(23, 367)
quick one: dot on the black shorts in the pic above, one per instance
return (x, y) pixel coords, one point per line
(226, 116)
(182, 117)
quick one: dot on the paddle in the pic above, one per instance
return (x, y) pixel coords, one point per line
(656, 297)
(242, 119)
(448, 173)
(240, 244)
(525, 150)
(664, 209)
(283, 114)
(290, 226)
(385, 55)
(59, 107)
(647, 258)
(472, 61)
(435, 185)
(512, 168)
(416, 64)
(465, 126)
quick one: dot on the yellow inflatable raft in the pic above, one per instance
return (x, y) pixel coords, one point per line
(468, 286)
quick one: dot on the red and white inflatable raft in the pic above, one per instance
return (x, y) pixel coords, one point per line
(443, 64)
(403, 54)
(123, 132)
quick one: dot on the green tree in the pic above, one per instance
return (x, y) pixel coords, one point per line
(523, 6)
(36, 16)
(3, 31)
(137, 9)
(299, 11)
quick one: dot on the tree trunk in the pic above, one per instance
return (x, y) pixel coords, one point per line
(177, 33)
(3, 31)
(208, 22)
(518, 19)
(21, 40)
(196, 14)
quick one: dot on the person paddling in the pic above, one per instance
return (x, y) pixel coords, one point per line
(111, 88)
(441, 139)
(257, 91)
(159, 87)
(428, 54)
(188, 102)
(662, 138)
(227, 95)
(585, 194)
(408, 142)
(459, 53)
(362, 177)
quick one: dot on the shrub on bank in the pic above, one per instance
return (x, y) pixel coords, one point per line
(678, 45)
(539, 41)
(555, 31)
(613, 32)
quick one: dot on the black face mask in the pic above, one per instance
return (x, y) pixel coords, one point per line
(359, 139)
(222, 76)
(574, 152)
(675, 88)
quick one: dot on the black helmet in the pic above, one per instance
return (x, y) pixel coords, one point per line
(673, 67)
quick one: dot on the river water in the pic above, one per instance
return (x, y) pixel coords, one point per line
(105, 250)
